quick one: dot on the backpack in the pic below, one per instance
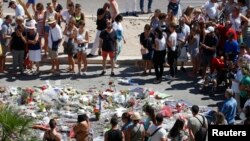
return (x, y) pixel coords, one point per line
(202, 132)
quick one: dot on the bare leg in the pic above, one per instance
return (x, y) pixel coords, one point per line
(79, 61)
(104, 63)
(112, 64)
(85, 62)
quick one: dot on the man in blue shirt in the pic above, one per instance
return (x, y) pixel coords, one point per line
(231, 48)
(229, 107)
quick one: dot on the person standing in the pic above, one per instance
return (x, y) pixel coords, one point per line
(33, 45)
(17, 46)
(114, 9)
(229, 107)
(136, 132)
(5, 37)
(131, 5)
(149, 6)
(82, 41)
(147, 41)
(195, 123)
(33, 3)
(18, 8)
(103, 15)
(79, 15)
(39, 17)
(114, 134)
(58, 8)
(159, 54)
(208, 50)
(117, 26)
(172, 47)
(108, 46)
(70, 32)
(54, 41)
(156, 132)
(177, 132)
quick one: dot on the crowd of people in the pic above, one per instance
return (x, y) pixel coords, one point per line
(216, 35)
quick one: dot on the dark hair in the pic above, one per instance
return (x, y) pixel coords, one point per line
(118, 18)
(82, 118)
(52, 123)
(81, 23)
(106, 5)
(8, 17)
(247, 115)
(159, 33)
(195, 109)
(127, 116)
(114, 121)
(151, 113)
(175, 130)
(242, 1)
(78, 5)
(243, 46)
(71, 4)
(159, 118)
(147, 27)
(39, 5)
(162, 16)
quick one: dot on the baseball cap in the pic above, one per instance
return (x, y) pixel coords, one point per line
(209, 29)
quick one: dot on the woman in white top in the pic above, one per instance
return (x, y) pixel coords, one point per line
(237, 19)
(70, 34)
(159, 54)
(172, 56)
(81, 45)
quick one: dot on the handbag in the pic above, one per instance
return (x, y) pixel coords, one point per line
(144, 51)
(55, 44)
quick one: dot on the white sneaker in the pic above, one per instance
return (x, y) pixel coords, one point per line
(201, 81)
(169, 77)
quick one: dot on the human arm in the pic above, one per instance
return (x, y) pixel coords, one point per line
(33, 42)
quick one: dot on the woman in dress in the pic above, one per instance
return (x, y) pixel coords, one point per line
(33, 46)
(70, 33)
(39, 17)
(81, 45)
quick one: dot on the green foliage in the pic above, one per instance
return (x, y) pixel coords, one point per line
(13, 125)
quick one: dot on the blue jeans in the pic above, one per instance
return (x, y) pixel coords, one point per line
(149, 4)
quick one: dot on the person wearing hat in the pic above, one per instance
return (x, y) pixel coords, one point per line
(17, 7)
(33, 45)
(229, 107)
(54, 41)
(136, 132)
(5, 37)
(209, 50)
(50, 12)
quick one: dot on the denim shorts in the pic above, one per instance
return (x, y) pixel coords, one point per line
(31, 1)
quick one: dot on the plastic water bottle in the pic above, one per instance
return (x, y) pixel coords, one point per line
(126, 81)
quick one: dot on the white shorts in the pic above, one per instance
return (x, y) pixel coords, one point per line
(35, 55)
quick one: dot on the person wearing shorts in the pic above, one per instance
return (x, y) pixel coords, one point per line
(108, 46)
(55, 36)
(82, 40)
(33, 3)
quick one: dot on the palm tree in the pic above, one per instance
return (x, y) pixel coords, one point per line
(13, 125)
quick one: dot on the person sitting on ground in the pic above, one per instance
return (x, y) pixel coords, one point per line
(136, 132)
(114, 134)
(52, 134)
(229, 107)
(81, 130)
(176, 132)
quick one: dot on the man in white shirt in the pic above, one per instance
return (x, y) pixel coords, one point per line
(182, 35)
(211, 8)
(54, 41)
(18, 8)
(155, 131)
